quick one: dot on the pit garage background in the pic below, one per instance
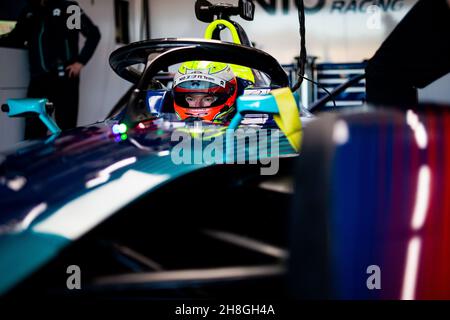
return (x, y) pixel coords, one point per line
(338, 31)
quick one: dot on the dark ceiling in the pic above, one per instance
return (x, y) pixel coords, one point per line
(10, 9)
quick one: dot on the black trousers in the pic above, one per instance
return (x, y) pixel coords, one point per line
(416, 54)
(63, 93)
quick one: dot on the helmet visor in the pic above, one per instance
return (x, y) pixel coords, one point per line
(200, 94)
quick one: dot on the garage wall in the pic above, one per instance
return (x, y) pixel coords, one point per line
(13, 84)
(100, 87)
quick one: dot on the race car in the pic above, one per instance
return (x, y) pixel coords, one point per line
(118, 197)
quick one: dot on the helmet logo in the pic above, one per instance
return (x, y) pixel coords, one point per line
(200, 77)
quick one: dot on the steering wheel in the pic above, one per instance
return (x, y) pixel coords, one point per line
(159, 54)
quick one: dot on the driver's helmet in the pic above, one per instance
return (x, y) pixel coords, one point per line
(205, 90)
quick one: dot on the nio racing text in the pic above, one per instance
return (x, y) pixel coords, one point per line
(336, 6)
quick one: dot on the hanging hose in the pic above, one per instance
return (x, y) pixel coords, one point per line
(302, 59)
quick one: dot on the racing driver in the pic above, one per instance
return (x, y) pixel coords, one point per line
(207, 91)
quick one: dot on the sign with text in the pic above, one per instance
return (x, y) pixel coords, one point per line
(337, 30)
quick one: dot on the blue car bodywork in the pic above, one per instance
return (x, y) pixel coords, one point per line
(53, 192)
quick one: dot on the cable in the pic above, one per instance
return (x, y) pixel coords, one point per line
(303, 53)
(323, 88)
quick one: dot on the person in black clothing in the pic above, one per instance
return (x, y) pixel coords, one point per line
(54, 56)
(416, 54)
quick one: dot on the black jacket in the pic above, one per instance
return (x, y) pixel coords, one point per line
(44, 31)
